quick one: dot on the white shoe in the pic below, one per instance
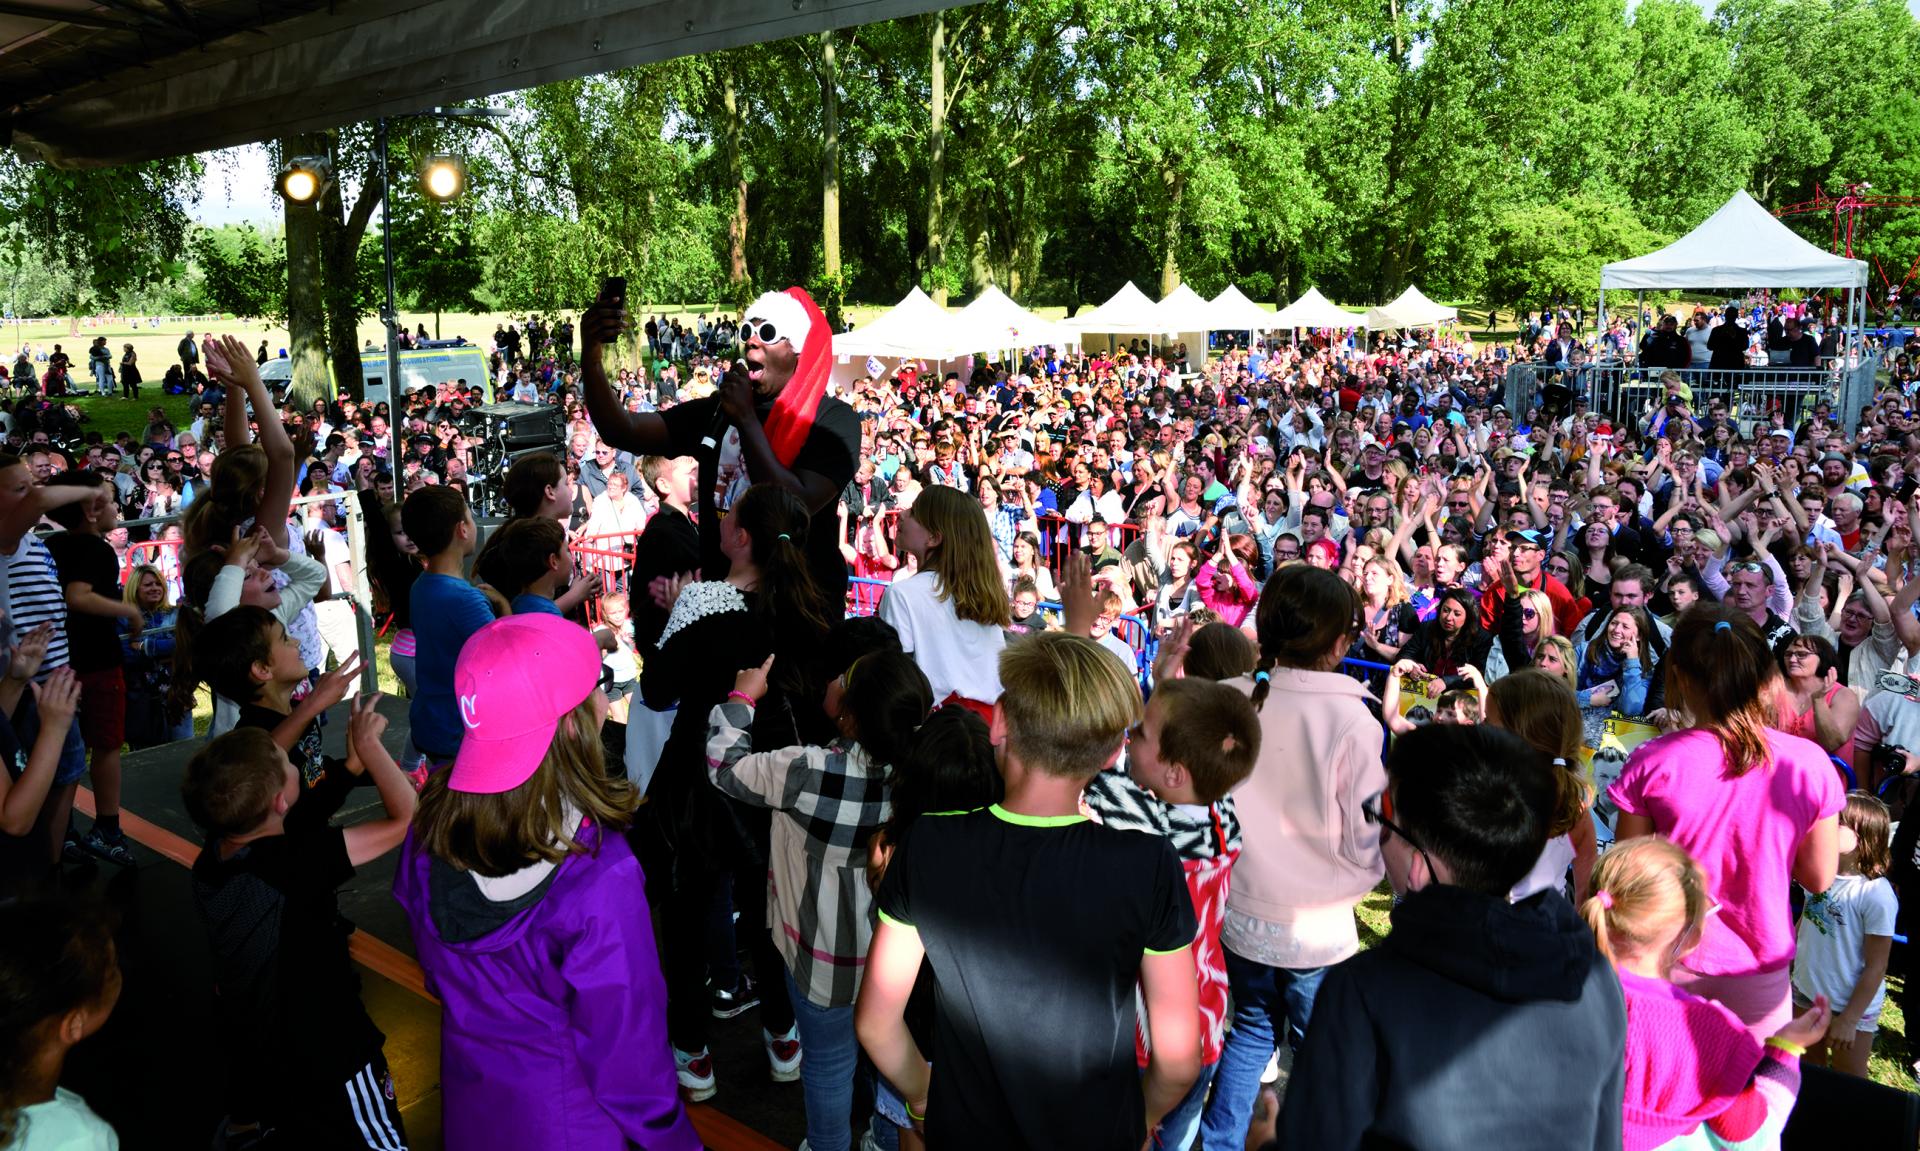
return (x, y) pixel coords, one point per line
(1272, 1074)
(695, 1073)
(783, 1054)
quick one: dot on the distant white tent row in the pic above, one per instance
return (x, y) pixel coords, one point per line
(918, 328)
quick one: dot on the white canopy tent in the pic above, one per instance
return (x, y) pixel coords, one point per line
(1313, 310)
(1740, 246)
(1129, 314)
(1233, 312)
(993, 322)
(916, 326)
(1410, 309)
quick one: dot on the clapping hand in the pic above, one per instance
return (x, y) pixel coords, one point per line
(30, 652)
(57, 699)
(666, 590)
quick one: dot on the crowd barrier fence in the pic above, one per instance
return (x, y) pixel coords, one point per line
(1623, 392)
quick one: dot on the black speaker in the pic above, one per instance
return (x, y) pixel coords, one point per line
(514, 427)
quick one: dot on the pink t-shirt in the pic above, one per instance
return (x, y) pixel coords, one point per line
(1744, 830)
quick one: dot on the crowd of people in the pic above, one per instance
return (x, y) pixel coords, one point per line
(1015, 746)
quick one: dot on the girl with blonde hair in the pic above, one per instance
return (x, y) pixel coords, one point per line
(1696, 1075)
(952, 614)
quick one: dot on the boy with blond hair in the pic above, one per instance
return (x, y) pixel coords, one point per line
(1038, 923)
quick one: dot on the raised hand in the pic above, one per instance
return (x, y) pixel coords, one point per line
(1171, 660)
(752, 681)
(365, 724)
(57, 699)
(332, 687)
(30, 652)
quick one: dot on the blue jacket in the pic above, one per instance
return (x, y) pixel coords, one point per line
(555, 1028)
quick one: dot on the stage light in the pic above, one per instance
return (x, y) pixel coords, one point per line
(444, 177)
(303, 179)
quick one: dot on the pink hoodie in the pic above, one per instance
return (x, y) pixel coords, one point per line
(1233, 607)
(1308, 855)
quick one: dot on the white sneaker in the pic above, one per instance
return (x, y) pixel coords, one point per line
(783, 1054)
(695, 1073)
(1271, 1075)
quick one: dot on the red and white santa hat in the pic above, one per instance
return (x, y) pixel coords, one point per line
(799, 321)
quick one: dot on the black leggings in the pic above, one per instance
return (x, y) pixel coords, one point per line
(686, 925)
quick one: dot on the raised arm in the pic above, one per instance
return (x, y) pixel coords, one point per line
(229, 362)
(642, 433)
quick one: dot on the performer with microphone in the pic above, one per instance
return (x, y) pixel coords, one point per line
(770, 421)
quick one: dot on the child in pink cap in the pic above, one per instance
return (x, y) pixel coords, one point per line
(529, 914)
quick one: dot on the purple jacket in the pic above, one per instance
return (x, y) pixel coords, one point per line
(554, 1034)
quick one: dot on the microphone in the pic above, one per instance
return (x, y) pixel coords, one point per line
(717, 427)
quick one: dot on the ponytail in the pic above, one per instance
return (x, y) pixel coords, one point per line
(1645, 891)
(1303, 613)
(1718, 670)
(790, 604)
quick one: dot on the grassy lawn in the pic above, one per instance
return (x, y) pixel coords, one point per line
(1893, 1053)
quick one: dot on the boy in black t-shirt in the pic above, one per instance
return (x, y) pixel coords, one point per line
(90, 580)
(1038, 924)
(306, 1062)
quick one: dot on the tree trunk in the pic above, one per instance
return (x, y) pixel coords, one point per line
(980, 260)
(937, 165)
(306, 310)
(1170, 237)
(341, 232)
(830, 172)
(738, 287)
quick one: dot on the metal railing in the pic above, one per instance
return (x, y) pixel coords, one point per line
(1626, 392)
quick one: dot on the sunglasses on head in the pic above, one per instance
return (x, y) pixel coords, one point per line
(1747, 566)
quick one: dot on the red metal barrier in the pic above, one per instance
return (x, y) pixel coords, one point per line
(1060, 537)
(603, 558)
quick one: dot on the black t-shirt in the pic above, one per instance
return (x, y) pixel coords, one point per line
(291, 1017)
(316, 769)
(1035, 930)
(93, 641)
(832, 450)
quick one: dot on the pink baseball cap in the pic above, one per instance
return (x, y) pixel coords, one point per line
(515, 679)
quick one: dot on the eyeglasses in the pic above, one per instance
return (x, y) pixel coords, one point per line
(1754, 566)
(1370, 811)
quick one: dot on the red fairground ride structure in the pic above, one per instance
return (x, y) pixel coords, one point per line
(1845, 209)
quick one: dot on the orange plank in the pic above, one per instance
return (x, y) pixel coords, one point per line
(720, 1132)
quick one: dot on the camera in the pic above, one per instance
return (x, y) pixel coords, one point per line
(1888, 759)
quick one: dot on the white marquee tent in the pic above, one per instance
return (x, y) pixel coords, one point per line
(916, 326)
(1128, 310)
(1410, 309)
(1233, 312)
(1740, 246)
(1313, 310)
(993, 322)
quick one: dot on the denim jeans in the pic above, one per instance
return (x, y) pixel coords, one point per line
(831, 1059)
(1262, 995)
(1180, 1125)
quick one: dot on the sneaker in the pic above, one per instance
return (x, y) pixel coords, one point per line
(695, 1073)
(72, 852)
(1272, 1074)
(418, 777)
(113, 849)
(732, 1004)
(783, 1054)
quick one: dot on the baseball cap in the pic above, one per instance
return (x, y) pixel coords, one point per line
(1525, 537)
(515, 679)
(1785, 432)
